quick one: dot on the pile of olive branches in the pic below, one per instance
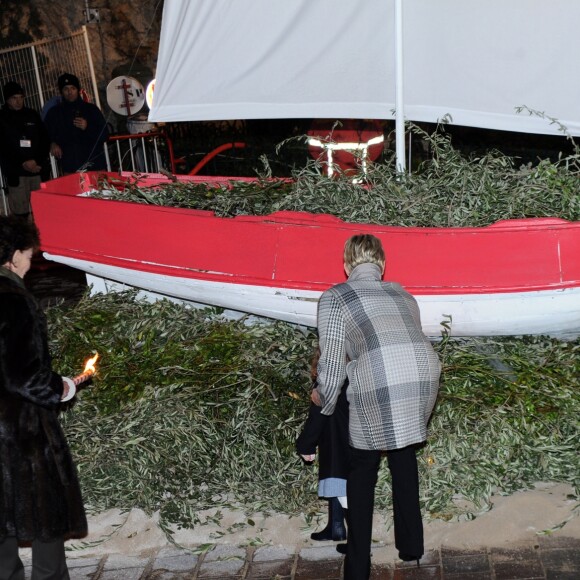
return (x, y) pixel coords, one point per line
(448, 190)
(190, 411)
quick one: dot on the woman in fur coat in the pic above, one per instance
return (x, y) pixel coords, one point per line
(40, 498)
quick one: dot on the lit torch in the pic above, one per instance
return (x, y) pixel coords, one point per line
(88, 372)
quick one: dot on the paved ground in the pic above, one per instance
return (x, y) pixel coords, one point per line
(548, 558)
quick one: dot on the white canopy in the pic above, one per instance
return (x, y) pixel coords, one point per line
(474, 60)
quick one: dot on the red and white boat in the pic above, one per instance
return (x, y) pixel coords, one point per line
(514, 277)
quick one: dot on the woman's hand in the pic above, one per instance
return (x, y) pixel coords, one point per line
(309, 458)
(315, 397)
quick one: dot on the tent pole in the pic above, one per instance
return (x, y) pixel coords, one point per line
(399, 107)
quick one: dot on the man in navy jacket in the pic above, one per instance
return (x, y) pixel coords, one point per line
(77, 130)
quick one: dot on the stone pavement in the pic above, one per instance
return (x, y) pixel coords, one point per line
(549, 558)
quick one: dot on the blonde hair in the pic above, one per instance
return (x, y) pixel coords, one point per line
(363, 249)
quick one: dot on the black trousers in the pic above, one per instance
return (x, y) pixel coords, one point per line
(360, 490)
(48, 560)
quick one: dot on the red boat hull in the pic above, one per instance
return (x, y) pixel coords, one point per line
(300, 251)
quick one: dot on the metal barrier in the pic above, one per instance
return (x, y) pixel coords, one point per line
(38, 65)
(207, 158)
(140, 152)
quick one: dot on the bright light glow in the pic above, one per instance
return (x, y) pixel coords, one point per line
(149, 93)
(347, 146)
(330, 147)
(90, 364)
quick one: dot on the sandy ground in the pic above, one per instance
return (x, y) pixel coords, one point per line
(513, 519)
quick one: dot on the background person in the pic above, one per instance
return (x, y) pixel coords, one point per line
(77, 129)
(24, 146)
(39, 489)
(370, 332)
(330, 435)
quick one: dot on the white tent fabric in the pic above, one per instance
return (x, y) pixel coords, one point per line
(472, 60)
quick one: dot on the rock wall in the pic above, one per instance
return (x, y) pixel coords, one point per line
(126, 37)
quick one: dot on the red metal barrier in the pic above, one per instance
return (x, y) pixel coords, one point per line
(212, 154)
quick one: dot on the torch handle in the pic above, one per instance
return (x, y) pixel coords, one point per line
(82, 378)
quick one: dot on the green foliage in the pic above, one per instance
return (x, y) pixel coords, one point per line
(190, 411)
(447, 190)
(187, 410)
(507, 416)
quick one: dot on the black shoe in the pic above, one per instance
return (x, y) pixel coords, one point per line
(324, 535)
(329, 533)
(335, 530)
(410, 558)
(341, 548)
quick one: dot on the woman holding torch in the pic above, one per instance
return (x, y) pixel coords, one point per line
(40, 497)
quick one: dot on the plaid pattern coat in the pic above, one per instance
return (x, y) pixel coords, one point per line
(370, 331)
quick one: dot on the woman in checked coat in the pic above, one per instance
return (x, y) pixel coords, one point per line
(370, 332)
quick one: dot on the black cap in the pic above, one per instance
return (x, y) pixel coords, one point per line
(10, 89)
(68, 79)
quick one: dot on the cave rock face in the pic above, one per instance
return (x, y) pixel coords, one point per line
(127, 31)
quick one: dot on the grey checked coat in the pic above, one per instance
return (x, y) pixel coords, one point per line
(370, 331)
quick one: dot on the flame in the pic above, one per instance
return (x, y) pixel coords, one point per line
(90, 364)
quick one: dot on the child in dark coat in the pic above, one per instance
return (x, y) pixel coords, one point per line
(330, 435)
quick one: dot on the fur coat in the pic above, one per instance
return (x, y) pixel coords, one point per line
(40, 496)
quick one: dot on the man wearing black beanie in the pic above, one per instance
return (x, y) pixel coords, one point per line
(77, 129)
(24, 148)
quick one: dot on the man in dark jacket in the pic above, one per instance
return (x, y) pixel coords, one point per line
(40, 497)
(24, 148)
(77, 130)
